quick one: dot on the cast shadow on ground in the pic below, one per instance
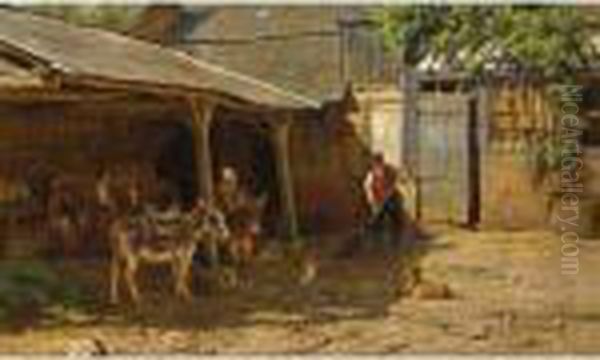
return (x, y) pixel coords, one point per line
(358, 285)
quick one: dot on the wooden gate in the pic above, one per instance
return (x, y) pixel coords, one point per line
(445, 157)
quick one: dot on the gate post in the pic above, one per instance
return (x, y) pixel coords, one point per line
(410, 84)
(485, 119)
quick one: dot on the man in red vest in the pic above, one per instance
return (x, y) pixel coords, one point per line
(385, 202)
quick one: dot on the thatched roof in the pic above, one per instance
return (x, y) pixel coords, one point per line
(82, 55)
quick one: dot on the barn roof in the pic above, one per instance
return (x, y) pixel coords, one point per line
(85, 54)
(295, 47)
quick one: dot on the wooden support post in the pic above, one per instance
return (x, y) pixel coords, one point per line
(202, 116)
(281, 136)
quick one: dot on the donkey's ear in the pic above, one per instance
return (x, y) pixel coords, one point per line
(201, 204)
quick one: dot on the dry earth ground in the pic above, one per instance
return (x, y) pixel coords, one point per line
(510, 297)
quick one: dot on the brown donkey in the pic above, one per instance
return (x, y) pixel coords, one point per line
(158, 238)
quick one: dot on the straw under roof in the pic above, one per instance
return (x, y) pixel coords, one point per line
(14, 76)
(86, 54)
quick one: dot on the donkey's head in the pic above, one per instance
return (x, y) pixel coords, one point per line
(247, 218)
(210, 222)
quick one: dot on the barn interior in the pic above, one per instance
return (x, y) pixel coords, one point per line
(150, 140)
(241, 141)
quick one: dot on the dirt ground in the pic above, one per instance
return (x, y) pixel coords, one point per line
(510, 297)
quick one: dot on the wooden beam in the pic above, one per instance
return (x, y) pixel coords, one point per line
(160, 90)
(202, 117)
(280, 136)
(37, 94)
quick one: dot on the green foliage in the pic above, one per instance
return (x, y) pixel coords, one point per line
(548, 40)
(546, 159)
(27, 287)
(110, 17)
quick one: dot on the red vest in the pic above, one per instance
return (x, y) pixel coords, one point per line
(379, 185)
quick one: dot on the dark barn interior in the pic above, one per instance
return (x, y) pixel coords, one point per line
(47, 141)
(246, 147)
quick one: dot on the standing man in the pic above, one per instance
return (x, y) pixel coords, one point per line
(384, 200)
(230, 196)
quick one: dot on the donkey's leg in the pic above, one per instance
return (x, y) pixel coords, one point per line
(175, 268)
(182, 270)
(130, 272)
(212, 250)
(115, 277)
(233, 271)
(186, 268)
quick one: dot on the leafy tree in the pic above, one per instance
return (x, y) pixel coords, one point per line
(545, 40)
(110, 17)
